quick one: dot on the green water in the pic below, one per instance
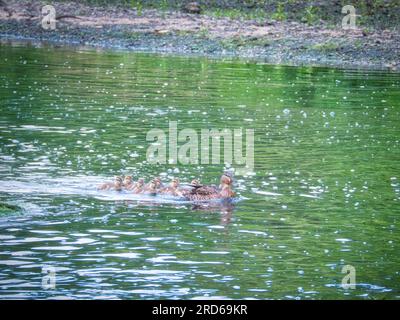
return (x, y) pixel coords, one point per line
(325, 192)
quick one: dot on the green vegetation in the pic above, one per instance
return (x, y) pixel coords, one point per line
(130, 35)
(358, 43)
(204, 32)
(138, 5)
(164, 7)
(255, 14)
(326, 46)
(375, 13)
(311, 15)
(232, 43)
(280, 13)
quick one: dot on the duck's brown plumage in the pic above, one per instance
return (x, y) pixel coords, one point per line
(128, 183)
(158, 183)
(138, 186)
(151, 187)
(172, 189)
(202, 193)
(116, 185)
(194, 192)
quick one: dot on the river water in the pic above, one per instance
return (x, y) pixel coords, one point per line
(324, 192)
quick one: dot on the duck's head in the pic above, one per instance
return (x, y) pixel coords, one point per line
(118, 180)
(175, 183)
(226, 179)
(152, 186)
(139, 183)
(157, 182)
(195, 183)
(226, 186)
(128, 180)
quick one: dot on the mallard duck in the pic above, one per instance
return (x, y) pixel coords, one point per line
(188, 188)
(196, 187)
(225, 186)
(138, 187)
(151, 188)
(202, 193)
(116, 185)
(128, 183)
(195, 183)
(172, 189)
(159, 184)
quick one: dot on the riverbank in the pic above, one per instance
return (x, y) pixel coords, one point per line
(150, 30)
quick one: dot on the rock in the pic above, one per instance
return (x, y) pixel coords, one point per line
(192, 7)
(5, 8)
(264, 23)
(161, 31)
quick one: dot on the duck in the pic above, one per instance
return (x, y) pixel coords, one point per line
(195, 183)
(172, 189)
(138, 187)
(225, 186)
(158, 183)
(128, 183)
(189, 187)
(203, 192)
(115, 185)
(195, 186)
(151, 188)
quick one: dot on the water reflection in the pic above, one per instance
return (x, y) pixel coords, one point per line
(225, 209)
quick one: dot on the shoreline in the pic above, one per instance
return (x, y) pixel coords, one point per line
(25, 41)
(174, 33)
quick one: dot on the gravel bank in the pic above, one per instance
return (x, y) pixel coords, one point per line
(278, 42)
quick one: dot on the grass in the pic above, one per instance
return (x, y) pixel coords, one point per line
(375, 13)
(184, 32)
(133, 36)
(204, 32)
(253, 14)
(326, 46)
(358, 44)
(280, 13)
(239, 41)
(311, 15)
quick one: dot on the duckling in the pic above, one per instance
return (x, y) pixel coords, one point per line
(202, 193)
(159, 184)
(128, 183)
(116, 185)
(172, 189)
(138, 186)
(151, 188)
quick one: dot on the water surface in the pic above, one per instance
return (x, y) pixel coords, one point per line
(325, 192)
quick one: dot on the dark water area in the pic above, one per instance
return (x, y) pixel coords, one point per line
(324, 192)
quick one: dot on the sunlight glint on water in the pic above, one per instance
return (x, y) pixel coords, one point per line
(325, 194)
